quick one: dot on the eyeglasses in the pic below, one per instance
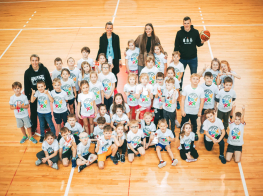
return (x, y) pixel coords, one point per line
(84, 137)
(133, 127)
(105, 67)
(159, 79)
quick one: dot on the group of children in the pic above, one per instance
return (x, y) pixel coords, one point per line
(153, 98)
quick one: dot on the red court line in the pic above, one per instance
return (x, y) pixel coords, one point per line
(129, 181)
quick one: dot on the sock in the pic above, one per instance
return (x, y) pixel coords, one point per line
(161, 161)
(112, 156)
(73, 158)
(91, 134)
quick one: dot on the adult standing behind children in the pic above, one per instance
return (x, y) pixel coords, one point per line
(110, 45)
(36, 71)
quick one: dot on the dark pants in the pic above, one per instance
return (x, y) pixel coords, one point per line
(41, 155)
(124, 147)
(224, 116)
(139, 72)
(209, 145)
(33, 116)
(193, 153)
(193, 119)
(193, 63)
(116, 83)
(170, 116)
(42, 119)
(158, 114)
(108, 103)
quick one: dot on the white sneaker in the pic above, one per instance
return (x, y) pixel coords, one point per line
(177, 124)
(162, 164)
(54, 166)
(174, 163)
(191, 160)
(38, 162)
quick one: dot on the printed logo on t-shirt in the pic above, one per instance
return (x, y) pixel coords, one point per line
(105, 147)
(168, 102)
(226, 100)
(67, 88)
(213, 131)
(42, 102)
(152, 77)
(96, 92)
(157, 62)
(85, 151)
(135, 141)
(50, 150)
(65, 149)
(131, 96)
(88, 104)
(145, 98)
(208, 96)
(214, 78)
(106, 85)
(192, 99)
(147, 132)
(37, 78)
(187, 40)
(177, 72)
(134, 58)
(73, 77)
(19, 110)
(164, 139)
(74, 132)
(235, 134)
(57, 102)
(187, 144)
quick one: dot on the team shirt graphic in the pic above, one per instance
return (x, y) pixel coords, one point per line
(107, 86)
(177, 73)
(152, 78)
(88, 104)
(187, 144)
(146, 132)
(145, 98)
(157, 62)
(19, 110)
(208, 96)
(213, 131)
(96, 92)
(58, 102)
(236, 133)
(67, 88)
(227, 100)
(134, 58)
(73, 77)
(192, 99)
(131, 96)
(42, 102)
(135, 141)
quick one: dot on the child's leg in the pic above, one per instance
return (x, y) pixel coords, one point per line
(141, 150)
(221, 146)
(55, 159)
(185, 119)
(86, 125)
(24, 131)
(131, 157)
(80, 162)
(41, 118)
(40, 155)
(124, 147)
(150, 141)
(101, 164)
(193, 119)
(172, 116)
(158, 151)
(29, 132)
(58, 128)
(48, 118)
(114, 149)
(168, 148)
(93, 158)
(229, 156)
(238, 155)
(194, 153)
(91, 124)
(71, 108)
(131, 112)
(208, 145)
(183, 155)
(203, 118)
(226, 119)
(65, 162)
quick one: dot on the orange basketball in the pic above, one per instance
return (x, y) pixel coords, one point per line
(205, 35)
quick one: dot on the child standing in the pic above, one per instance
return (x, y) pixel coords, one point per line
(74, 127)
(150, 69)
(102, 113)
(131, 59)
(160, 60)
(84, 72)
(119, 134)
(43, 107)
(102, 59)
(85, 51)
(97, 88)
(119, 117)
(119, 100)
(178, 67)
(57, 72)
(74, 73)
(19, 103)
(214, 69)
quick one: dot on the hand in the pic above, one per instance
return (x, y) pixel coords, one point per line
(44, 160)
(50, 163)
(79, 116)
(203, 41)
(33, 91)
(140, 91)
(120, 134)
(136, 152)
(120, 63)
(220, 74)
(199, 114)
(138, 111)
(128, 93)
(125, 53)
(46, 91)
(95, 115)
(166, 57)
(123, 122)
(205, 67)
(234, 105)
(243, 107)
(19, 105)
(183, 113)
(215, 141)
(228, 73)
(149, 91)
(168, 139)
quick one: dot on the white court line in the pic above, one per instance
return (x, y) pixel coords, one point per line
(69, 181)
(34, 1)
(209, 46)
(115, 11)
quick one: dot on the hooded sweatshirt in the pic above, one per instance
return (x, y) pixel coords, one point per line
(31, 77)
(186, 42)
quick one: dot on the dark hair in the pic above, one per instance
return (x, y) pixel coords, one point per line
(170, 68)
(64, 130)
(83, 82)
(182, 129)
(208, 74)
(16, 84)
(57, 60)
(41, 82)
(114, 103)
(208, 111)
(34, 55)
(65, 69)
(102, 105)
(86, 49)
(49, 133)
(144, 39)
(71, 116)
(108, 23)
(119, 106)
(107, 128)
(187, 18)
(159, 75)
(101, 120)
(238, 114)
(228, 79)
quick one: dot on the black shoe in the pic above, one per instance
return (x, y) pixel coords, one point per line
(122, 158)
(222, 158)
(226, 136)
(114, 160)
(41, 139)
(81, 167)
(118, 156)
(196, 137)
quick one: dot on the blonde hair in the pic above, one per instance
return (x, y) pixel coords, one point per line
(83, 134)
(148, 114)
(195, 75)
(119, 125)
(82, 68)
(70, 58)
(170, 80)
(143, 75)
(150, 58)
(56, 80)
(161, 121)
(93, 72)
(160, 47)
(132, 122)
(176, 53)
(131, 41)
(132, 75)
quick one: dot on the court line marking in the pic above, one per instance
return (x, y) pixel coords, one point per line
(115, 12)
(69, 181)
(35, 1)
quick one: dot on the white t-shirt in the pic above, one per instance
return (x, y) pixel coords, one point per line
(86, 77)
(83, 150)
(64, 147)
(222, 78)
(96, 89)
(210, 92)
(90, 61)
(104, 144)
(68, 88)
(147, 129)
(157, 102)
(160, 61)
(168, 105)
(132, 56)
(135, 138)
(98, 131)
(186, 141)
(214, 129)
(59, 104)
(74, 76)
(192, 99)
(176, 82)
(76, 130)
(225, 100)
(144, 100)
(214, 73)
(106, 116)
(115, 133)
(178, 69)
(162, 136)
(107, 82)
(116, 119)
(87, 106)
(43, 103)
(152, 74)
(131, 100)
(125, 110)
(236, 132)
(50, 148)
(22, 99)
(56, 74)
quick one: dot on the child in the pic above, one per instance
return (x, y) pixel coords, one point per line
(210, 90)
(144, 94)
(157, 92)
(108, 80)
(68, 147)
(60, 110)
(74, 73)
(187, 148)
(68, 86)
(226, 72)
(84, 72)
(98, 130)
(105, 147)
(43, 107)
(150, 69)
(165, 137)
(129, 90)
(88, 111)
(160, 60)
(19, 103)
(225, 98)
(134, 138)
(57, 72)
(235, 139)
(148, 127)
(169, 103)
(214, 69)
(85, 51)
(214, 133)
(85, 158)
(178, 67)
(119, 100)
(102, 113)
(49, 153)
(97, 88)
(74, 127)
(119, 117)
(102, 59)
(131, 59)
(119, 134)
(192, 102)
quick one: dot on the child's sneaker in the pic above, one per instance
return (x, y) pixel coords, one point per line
(138, 155)
(33, 140)
(222, 158)
(114, 160)
(74, 163)
(33, 133)
(23, 139)
(161, 164)
(38, 162)
(177, 124)
(226, 135)
(122, 158)
(190, 160)
(81, 167)
(55, 166)
(174, 162)
(41, 139)
(196, 137)
(178, 106)
(118, 156)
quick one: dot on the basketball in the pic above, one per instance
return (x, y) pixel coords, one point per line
(205, 35)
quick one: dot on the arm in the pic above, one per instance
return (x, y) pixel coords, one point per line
(222, 135)
(102, 96)
(32, 96)
(242, 115)
(165, 68)
(137, 41)
(48, 80)
(234, 113)
(203, 70)
(113, 125)
(218, 80)
(182, 106)
(135, 152)
(170, 139)
(174, 97)
(49, 96)
(137, 116)
(112, 90)
(127, 66)
(95, 109)
(181, 75)
(53, 155)
(97, 147)
(116, 140)
(79, 104)
(177, 43)
(235, 75)
(144, 143)
(75, 92)
(60, 154)
(199, 42)
(202, 101)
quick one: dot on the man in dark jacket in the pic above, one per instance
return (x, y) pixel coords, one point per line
(36, 71)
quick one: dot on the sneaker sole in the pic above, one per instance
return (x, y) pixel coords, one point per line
(175, 163)
(161, 166)
(24, 141)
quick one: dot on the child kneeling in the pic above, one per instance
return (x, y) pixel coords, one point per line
(119, 134)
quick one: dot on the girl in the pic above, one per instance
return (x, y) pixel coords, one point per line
(118, 99)
(144, 94)
(214, 69)
(122, 141)
(68, 86)
(49, 152)
(102, 59)
(74, 72)
(85, 72)
(187, 148)
(96, 87)
(129, 90)
(120, 117)
(88, 111)
(160, 61)
(150, 69)
(131, 59)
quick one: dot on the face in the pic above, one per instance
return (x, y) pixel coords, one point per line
(65, 75)
(131, 46)
(147, 119)
(120, 129)
(71, 62)
(57, 86)
(84, 139)
(149, 65)
(176, 58)
(49, 140)
(237, 120)
(109, 29)
(107, 134)
(34, 62)
(93, 78)
(119, 111)
(224, 67)
(105, 69)
(85, 88)
(228, 86)
(86, 68)
(85, 54)
(58, 65)
(41, 87)
(157, 50)
(163, 126)
(132, 80)
(72, 121)
(103, 110)
(195, 80)
(102, 59)
(148, 30)
(118, 100)
(187, 25)
(170, 74)
(144, 80)
(65, 135)
(208, 80)
(101, 126)
(169, 86)
(210, 117)
(159, 81)
(187, 129)
(17, 90)
(134, 127)
(215, 65)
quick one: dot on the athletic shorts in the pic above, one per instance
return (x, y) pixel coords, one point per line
(70, 102)
(138, 146)
(86, 156)
(60, 116)
(103, 156)
(23, 122)
(91, 116)
(133, 71)
(147, 139)
(135, 107)
(162, 146)
(232, 149)
(67, 154)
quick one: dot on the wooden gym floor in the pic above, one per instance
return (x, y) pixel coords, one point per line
(53, 29)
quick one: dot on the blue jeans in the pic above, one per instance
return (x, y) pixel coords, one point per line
(193, 63)
(48, 118)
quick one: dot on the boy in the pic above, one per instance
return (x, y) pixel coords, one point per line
(226, 98)
(235, 139)
(165, 137)
(192, 102)
(102, 113)
(134, 138)
(105, 147)
(57, 72)
(43, 107)
(74, 74)
(169, 103)
(74, 127)
(214, 133)
(85, 158)
(85, 51)
(19, 103)
(67, 147)
(150, 69)
(98, 130)
(210, 90)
